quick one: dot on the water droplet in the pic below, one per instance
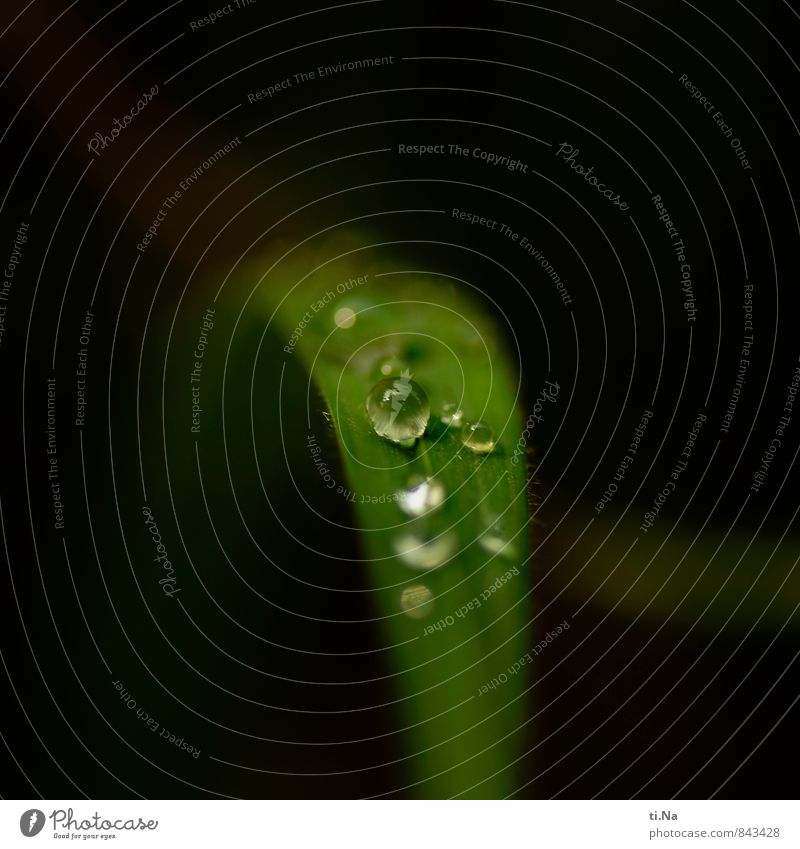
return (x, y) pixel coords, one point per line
(452, 415)
(398, 408)
(345, 318)
(391, 366)
(478, 437)
(421, 496)
(420, 551)
(416, 601)
(493, 542)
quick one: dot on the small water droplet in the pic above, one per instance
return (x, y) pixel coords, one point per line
(495, 543)
(478, 437)
(391, 366)
(421, 496)
(416, 601)
(345, 318)
(494, 538)
(398, 408)
(422, 551)
(452, 415)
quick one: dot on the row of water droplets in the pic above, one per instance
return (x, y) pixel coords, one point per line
(399, 411)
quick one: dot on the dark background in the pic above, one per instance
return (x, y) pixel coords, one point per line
(612, 712)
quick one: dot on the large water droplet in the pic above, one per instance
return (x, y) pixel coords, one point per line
(479, 437)
(398, 408)
(420, 551)
(452, 415)
(421, 496)
(416, 601)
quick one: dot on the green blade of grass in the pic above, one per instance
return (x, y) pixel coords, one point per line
(457, 736)
(708, 577)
